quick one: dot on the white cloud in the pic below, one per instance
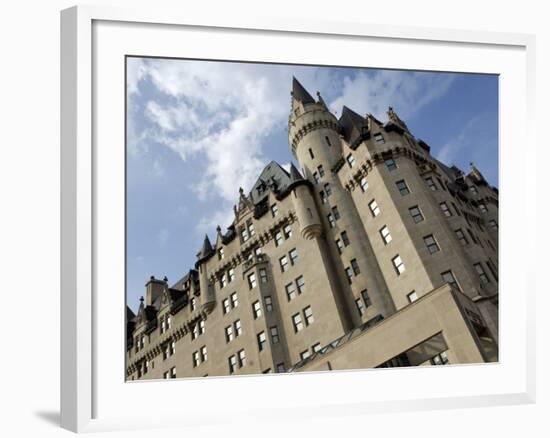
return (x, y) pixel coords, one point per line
(224, 113)
(406, 92)
(465, 138)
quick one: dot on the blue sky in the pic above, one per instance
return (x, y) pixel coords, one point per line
(191, 123)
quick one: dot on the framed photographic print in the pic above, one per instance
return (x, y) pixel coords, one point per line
(309, 208)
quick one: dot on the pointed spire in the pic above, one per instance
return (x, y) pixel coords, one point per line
(351, 124)
(295, 174)
(206, 248)
(300, 93)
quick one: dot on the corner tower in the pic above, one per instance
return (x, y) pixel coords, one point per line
(313, 132)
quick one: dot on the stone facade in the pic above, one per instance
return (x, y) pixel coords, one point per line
(375, 254)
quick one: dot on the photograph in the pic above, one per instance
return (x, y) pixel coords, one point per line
(284, 218)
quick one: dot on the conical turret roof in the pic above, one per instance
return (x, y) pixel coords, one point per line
(300, 93)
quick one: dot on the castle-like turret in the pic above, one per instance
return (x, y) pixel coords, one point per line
(313, 131)
(304, 205)
(208, 298)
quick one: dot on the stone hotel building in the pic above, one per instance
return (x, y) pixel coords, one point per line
(372, 254)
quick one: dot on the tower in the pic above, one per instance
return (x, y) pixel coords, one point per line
(315, 140)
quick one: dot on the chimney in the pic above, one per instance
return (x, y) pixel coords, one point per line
(154, 289)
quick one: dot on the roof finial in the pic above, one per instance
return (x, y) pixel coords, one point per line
(165, 279)
(141, 299)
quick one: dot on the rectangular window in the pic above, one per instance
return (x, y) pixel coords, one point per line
(339, 245)
(232, 364)
(268, 303)
(204, 354)
(379, 138)
(360, 306)
(431, 184)
(311, 153)
(374, 209)
(193, 304)
(390, 164)
(173, 372)
(416, 214)
(402, 187)
(364, 184)
(412, 297)
(440, 359)
(244, 234)
(316, 177)
(483, 278)
(449, 277)
(196, 359)
(195, 332)
(226, 306)
(290, 291)
(261, 341)
(278, 237)
(231, 274)
(234, 300)
(323, 196)
(431, 243)
(316, 347)
(335, 213)
(308, 314)
(220, 254)
(263, 275)
(297, 322)
(493, 224)
(355, 267)
(304, 354)
(201, 326)
(345, 239)
(283, 263)
(287, 230)
(398, 265)
(482, 207)
(445, 209)
(274, 331)
(229, 333)
(300, 283)
(321, 171)
(293, 256)
(328, 190)
(242, 358)
(252, 280)
(274, 210)
(473, 190)
(350, 160)
(223, 281)
(238, 328)
(349, 274)
(461, 236)
(385, 233)
(366, 298)
(331, 220)
(256, 309)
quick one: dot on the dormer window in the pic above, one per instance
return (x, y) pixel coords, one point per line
(379, 138)
(220, 254)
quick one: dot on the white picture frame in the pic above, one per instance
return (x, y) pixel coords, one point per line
(93, 392)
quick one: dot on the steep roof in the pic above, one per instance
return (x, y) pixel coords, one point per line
(274, 177)
(351, 124)
(300, 93)
(206, 250)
